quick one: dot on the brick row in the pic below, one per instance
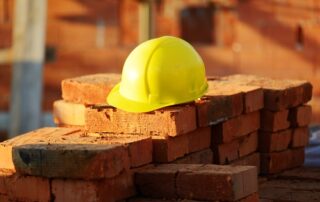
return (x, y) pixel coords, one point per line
(70, 153)
(89, 89)
(30, 188)
(278, 94)
(197, 182)
(169, 121)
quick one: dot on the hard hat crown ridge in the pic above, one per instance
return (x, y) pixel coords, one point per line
(157, 73)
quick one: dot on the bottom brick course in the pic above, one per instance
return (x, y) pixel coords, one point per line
(114, 189)
(197, 182)
(24, 188)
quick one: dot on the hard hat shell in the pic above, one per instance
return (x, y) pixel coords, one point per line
(159, 72)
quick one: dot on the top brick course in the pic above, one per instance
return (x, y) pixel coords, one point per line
(278, 94)
(89, 89)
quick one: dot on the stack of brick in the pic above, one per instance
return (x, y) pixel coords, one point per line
(66, 164)
(233, 112)
(106, 154)
(284, 121)
(79, 93)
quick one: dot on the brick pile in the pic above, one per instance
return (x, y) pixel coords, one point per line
(105, 154)
(284, 132)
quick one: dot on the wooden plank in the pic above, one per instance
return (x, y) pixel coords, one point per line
(28, 53)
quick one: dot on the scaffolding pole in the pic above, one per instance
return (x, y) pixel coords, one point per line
(28, 54)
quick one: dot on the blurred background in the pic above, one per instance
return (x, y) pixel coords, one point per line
(275, 38)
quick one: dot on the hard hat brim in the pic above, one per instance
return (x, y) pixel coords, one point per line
(117, 100)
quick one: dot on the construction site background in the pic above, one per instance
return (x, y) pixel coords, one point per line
(275, 38)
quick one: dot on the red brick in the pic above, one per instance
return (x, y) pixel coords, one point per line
(225, 153)
(66, 152)
(249, 160)
(214, 182)
(191, 181)
(278, 94)
(253, 98)
(112, 189)
(169, 121)
(300, 137)
(297, 158)
(274, 141)
(199, 157)
(235, 127)
(218, 104)
(248, 144)
(67, 113)
(160, 181)
(300, 116)
(167, 149)
(139, 147)
(274, 121)
(24, 188)
(275, 162)
(89, 89)
(252, 95)
(199, 139)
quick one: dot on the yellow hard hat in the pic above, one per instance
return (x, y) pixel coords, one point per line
(159, 72)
